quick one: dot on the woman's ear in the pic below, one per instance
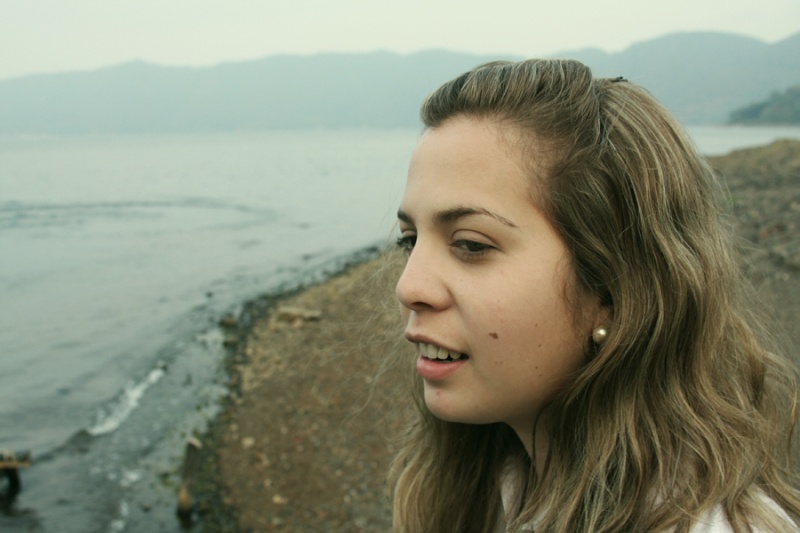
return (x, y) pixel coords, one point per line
(603, 315)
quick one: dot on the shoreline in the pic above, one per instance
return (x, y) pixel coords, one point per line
(347, 314)
(303, 439)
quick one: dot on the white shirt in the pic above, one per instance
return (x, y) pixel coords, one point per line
(713, 521)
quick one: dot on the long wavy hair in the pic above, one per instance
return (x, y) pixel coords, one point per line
(684, 408)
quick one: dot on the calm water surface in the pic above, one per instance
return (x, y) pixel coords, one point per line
(120, 255)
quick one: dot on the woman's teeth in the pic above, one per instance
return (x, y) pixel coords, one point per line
(429, 351)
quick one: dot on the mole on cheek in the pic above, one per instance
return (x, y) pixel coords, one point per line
(494, 335)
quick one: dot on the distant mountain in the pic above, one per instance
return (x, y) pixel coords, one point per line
(779, 108)
(700, 76)
(378, 89)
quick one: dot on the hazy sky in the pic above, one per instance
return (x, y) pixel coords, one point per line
(59, 35)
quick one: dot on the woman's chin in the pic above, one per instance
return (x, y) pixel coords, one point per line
(446, 407)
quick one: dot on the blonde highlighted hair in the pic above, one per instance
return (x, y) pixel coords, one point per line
(684, 408)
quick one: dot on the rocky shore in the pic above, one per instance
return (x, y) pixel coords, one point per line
(305, 437)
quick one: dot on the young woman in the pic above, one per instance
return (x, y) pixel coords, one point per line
(585, 357)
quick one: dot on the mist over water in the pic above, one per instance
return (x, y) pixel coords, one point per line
(119, 256)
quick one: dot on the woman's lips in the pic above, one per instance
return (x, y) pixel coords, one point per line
(438, 369)
(435, 363)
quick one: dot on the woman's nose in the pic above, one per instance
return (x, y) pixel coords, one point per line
(421, 285)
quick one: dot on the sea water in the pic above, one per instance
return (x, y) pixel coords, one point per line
(118, 256)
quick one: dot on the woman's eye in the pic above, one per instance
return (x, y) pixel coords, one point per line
(471, 248)
(406, 242)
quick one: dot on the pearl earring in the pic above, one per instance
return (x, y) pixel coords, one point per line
(599, 334)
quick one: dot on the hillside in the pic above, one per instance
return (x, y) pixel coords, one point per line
(779, 108)
(699, 76)
(702, 76)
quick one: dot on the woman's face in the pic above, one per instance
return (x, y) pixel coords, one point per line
(487, 294)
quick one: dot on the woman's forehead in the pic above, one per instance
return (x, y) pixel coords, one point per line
(471, 161)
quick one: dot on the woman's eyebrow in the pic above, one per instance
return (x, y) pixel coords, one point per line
(448, 216)
(402, 216)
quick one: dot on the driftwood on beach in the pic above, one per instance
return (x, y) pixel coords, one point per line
(10, 462)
